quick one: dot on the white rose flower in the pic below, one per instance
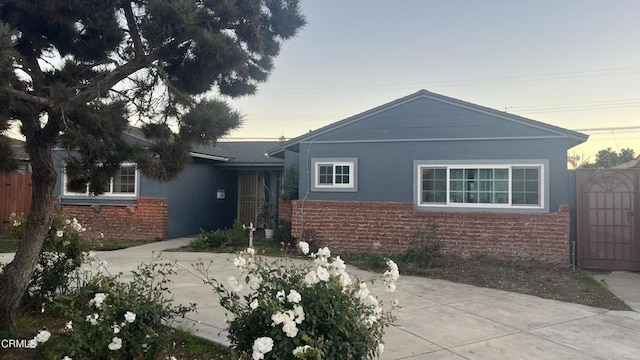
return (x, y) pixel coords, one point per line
(304, 247)
(43, 336)
(280, 295)
(59, 233)
(301, 350)
(254, 304)
(116, 344)
(294, 297)
(261, 346)
(98, 299)
(290, 329)
(130, 317)
(323, 274)
(233, 284)
(311, 278)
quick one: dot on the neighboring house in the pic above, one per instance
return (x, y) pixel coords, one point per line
(494, 183)
(20, 154)
(220, 184)
(633, 164)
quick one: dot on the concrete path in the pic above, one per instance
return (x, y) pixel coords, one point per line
(625, 285)
(437, 319)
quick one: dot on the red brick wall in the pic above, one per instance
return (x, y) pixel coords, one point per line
(284, 211)
(146, 220)
(382, 227)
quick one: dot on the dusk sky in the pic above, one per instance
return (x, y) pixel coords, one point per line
(570, 63)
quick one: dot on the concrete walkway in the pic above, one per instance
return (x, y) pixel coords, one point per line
(437, 319)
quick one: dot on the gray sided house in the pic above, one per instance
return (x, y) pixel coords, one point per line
(493, 183)
(221, 183)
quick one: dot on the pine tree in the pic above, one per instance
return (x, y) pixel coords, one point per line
(76, 73)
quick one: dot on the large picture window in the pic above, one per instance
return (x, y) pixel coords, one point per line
(480, 186)
(123, 183)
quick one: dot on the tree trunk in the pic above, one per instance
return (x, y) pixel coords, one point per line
(17, 273)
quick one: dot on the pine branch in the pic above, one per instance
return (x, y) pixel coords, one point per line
(133, 30)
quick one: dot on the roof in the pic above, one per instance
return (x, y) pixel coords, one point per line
(249, 152)
(633, 164)
(574, 138)
(244, 153)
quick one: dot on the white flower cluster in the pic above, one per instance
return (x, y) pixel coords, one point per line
(261, 346)
(289, 312)
(99, 302)
(41, 338)
(75, 225)
(289, 319)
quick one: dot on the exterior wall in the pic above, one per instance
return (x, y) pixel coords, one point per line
(193, 204)
(190, 201)
(386, 227)
(284, 211)
(435, 119)
(385, 169)
(145, 220)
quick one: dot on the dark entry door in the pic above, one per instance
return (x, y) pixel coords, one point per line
(247, 196)
(607, 208)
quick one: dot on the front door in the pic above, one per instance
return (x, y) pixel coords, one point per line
(247, 196)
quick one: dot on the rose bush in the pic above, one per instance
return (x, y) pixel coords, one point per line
(110, 318)
(310, 310)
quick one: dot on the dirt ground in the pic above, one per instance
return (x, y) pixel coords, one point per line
(526, 277)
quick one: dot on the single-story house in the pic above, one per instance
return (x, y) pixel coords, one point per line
(221, 183)
(494, 183)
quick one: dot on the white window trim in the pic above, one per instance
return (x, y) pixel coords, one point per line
(542, 185)
(334, 164)
(110, 193)
(314, 174)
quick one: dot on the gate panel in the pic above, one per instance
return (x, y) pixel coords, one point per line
(15, 196)
(247, 196)
(607, 208)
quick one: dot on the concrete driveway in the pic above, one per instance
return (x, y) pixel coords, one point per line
(437, 319)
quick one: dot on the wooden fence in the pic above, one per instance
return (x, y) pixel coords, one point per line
(15, 196)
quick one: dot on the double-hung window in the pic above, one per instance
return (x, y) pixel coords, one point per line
(498, 186)
(124, 183)
(334, 174)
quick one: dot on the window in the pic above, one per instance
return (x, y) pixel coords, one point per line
(334, 174)
(480, 185)
(123, 183)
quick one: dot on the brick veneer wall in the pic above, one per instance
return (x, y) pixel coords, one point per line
(146, 220)
(284, 211)
(382, 227)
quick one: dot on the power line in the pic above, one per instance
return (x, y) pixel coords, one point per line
(450, 83)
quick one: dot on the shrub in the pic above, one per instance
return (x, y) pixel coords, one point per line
(115, 319)
(235, 237)
(308, 311)
(425, 250)
(290, 184)
(283, 234)
(63, 252)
